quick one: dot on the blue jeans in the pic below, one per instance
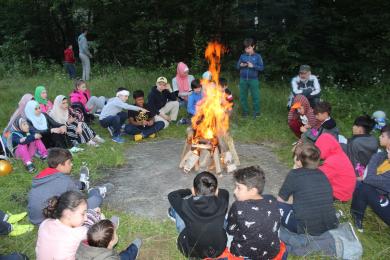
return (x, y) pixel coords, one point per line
(288, 218)
(367, 195)
(180, 225)
(130, 253)
(115, 122)
(94, 198)
(71, 69)
(145, 131)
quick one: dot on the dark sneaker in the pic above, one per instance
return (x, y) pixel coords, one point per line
(357, 222)
(256, 115)
(30, 168)
(244, 114)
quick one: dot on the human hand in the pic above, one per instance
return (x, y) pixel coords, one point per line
(22, 139)
(143, 110)
(62, 129)
(303, 129)
(166, 117)
(243, 64)
(250, 64)
(37, 136)
(79, 130)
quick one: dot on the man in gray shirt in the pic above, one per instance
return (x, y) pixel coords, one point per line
(84, 54)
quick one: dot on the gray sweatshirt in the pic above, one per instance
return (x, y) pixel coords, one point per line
(114, 106)
(83, 45)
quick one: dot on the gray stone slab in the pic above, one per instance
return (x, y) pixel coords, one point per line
(151, 172)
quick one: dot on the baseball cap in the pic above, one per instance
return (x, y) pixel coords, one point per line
(304, 68)
(161, 79)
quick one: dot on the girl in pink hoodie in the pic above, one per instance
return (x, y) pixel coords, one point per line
(337, 167)
(82, 95)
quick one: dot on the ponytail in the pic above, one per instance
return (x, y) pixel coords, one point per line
(57, 204)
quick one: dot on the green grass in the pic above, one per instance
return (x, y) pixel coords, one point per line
(160, 236)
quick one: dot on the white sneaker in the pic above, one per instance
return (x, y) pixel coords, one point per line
(92, 143)
(105, 188)
(98, 139)
(75, 149)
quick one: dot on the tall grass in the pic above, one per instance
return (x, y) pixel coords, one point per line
(160, 237)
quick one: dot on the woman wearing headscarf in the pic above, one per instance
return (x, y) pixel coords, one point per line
(301, 115)
(53, 133)
(19, 112)
(41, 97)
(77, 130)
(181, 84)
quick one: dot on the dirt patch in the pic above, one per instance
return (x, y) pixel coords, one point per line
(151, 172)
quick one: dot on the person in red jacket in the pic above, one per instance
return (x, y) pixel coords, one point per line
(337, 167)
(69, 61)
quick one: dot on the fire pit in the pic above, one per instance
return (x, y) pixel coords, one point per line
(208, 144)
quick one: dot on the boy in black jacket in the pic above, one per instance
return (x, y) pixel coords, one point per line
(162, 101)
(200, 214)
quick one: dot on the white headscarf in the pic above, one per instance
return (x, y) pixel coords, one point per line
(39, 122)
(57, 113)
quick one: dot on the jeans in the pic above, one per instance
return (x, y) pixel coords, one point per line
(144, 131)
(130, 253)
(94, 198)
(70, 69)
(367, 195)
(180, 225)
(253, 86)
(288, 219)
(115, 122)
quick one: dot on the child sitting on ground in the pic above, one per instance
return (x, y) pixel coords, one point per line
(101, 240)
(253, 219)
(27, 143)
(362, 145)
(306, 199)
(61, 233)
(112, 117)
(141, 124)
(194, 97)
(322, 113)
(301, 116)
(200, 214)
(41, 97)
(55, 180)
(82, 95)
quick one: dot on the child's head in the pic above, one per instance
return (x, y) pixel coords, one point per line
(249, 45)
(207, 76)
(70, 208)
(60, 159)
(249, 183)
(123, 94)
(80, 85)
(322, 111)
(307, 155)
(22, 125)
(384, 138)
(138, 97)
(363, 125)
(69, 45)
(304, 72)
(205, 184)
(223, 83)
(196, 86)
(161, 83)
(102, 234)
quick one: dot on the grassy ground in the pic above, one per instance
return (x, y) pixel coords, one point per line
(160, 236)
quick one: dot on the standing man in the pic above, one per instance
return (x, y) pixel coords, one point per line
(250, 64)
(84, 54)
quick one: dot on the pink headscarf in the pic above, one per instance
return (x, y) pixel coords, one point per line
(19, 111)
(182, 78)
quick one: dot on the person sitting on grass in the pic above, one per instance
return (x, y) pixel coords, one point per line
(81, 96)
(27, 143)
(41, 97)
(162, 101)
(362, 145)
(112, 117)
(55, 180)
(322, 113)
(61, 233)
(194, 98)
(199, 214)
(301, 116)
(9, 224)
(181, 83)
(142, 124)
(337, 167)
(306, 196)
(253, 219)
(306, 84)
(101, 240)
(374, 190)
(76, 129)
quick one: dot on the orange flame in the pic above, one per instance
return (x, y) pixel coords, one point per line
(211, 118)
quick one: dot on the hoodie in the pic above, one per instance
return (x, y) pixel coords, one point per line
(158, 99)
(86, 252)
(48, 183)
(309, 113)
(337, 167)
(204, 216)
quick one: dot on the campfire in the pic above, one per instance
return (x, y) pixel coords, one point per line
(208, 144)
